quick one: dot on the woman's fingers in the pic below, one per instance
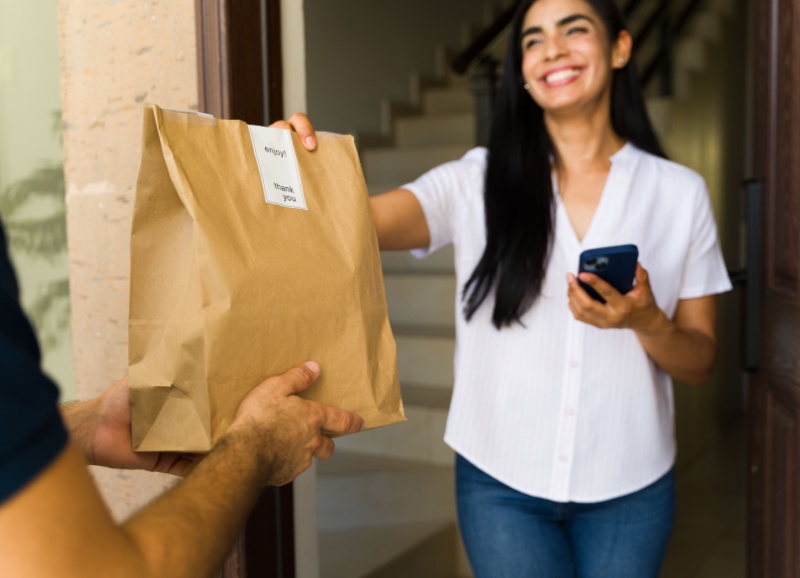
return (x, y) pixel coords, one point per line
(300, 124)
(584, 308)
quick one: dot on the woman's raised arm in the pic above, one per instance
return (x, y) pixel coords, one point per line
(399, 220)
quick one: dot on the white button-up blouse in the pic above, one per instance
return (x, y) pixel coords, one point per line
(556, 408)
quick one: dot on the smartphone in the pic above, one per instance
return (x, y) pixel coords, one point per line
(615, 265)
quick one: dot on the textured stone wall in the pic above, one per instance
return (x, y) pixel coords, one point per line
(117, 56)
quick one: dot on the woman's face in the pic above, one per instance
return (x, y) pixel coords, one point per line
(567, 60)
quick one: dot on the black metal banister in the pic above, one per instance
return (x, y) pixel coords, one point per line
(656, 17)
(674, 31)
(631, 7)
(465, 58)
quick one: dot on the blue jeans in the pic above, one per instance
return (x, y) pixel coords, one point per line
(509, 534)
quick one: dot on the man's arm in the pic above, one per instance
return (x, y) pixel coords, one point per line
(59, 526)
(101, 430)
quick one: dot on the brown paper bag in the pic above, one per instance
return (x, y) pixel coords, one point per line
(228, 289)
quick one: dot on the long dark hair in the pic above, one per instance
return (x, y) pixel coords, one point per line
(518, 190)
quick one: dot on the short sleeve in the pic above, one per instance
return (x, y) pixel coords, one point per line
(704, 272)
(437, 192)
(32, 433)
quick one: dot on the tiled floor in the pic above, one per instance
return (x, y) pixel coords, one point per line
(710, 534)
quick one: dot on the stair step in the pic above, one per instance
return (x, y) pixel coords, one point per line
(452, 128)
(419, 438)
(689, 57)
(405, 492)
(402, 165)
(707, 25)
(438, 262)
(426, 361)
(448, 99)
(456, 80)
(396, 551)
(348, 462)
(412, 330)
(690, 54)
(423, 300)
(424, 395)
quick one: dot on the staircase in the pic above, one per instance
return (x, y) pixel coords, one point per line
(386, 500)
(386, 505)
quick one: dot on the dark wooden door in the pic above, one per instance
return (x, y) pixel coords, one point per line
(774, 489)
(240, 76)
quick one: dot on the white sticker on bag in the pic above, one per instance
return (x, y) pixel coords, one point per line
(277, 165)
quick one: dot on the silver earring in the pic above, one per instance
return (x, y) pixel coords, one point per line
(526, 86)
(620, 61)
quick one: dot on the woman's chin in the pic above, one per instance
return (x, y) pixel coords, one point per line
(564, 108)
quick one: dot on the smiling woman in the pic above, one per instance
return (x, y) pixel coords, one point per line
(562, 413)
(599, 100)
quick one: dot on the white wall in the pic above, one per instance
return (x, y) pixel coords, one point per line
(293, 48)
(29, 100)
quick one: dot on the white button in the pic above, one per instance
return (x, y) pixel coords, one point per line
(569, 411)
(574, 364)
(563, 458)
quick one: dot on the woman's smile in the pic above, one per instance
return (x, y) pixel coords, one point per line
(561, 76)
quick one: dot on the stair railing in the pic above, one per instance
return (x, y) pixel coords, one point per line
(477, 60)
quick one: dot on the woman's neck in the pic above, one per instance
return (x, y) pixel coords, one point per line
(583, 144)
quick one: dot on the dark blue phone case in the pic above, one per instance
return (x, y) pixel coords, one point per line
(615, 265)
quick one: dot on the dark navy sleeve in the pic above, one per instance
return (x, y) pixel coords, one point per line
(31, 431)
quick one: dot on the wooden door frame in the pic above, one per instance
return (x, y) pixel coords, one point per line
(233, 79)
(774, 453)
(240, 76)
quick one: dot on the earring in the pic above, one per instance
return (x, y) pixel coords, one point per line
(526, 86)
(620, 61)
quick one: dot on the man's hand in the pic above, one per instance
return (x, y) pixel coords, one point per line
(58, 525)
(102, 430)
(286, 430)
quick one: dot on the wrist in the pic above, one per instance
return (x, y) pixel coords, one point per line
(656, 324)
(244, 443)
(80, 418)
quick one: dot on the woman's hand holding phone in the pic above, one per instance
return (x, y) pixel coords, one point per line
(636, 309)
